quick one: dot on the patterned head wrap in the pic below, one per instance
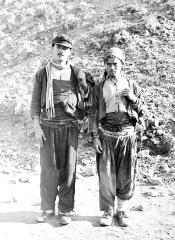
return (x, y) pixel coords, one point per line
(114, 52)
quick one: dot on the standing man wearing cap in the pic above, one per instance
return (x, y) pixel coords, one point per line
(56, 98)
(117, 107)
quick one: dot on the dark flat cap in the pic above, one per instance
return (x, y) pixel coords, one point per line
(63, 40)
(114, 52)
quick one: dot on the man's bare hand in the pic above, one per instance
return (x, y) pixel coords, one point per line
(40, 136)
(97, 145)
(128, 93)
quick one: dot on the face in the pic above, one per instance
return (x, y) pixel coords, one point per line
(60, 54)
(113, 67)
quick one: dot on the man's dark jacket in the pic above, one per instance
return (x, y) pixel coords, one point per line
(98, 112)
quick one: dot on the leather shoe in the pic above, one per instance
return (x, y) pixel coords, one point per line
(120, 216)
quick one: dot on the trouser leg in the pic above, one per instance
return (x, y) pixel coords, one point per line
(49, 178)
(48, 189)
(66, 196)
(106, 198)
(67, 180)
(67, 157)
(126, 161)
(107, 178)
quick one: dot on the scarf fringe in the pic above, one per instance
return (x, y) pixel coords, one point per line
(50, 110)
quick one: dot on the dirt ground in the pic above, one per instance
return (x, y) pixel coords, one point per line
(19, 206)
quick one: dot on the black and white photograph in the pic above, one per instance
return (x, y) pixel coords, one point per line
(87, 119)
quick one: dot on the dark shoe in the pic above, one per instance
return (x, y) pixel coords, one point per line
(107, 218)
(44, 216)
(120, 217)
(65, 218)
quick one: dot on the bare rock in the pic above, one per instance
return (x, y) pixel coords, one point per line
(151, 194)
(173, 175)
(171, 192)
(155, 181)
(6, 171)
(160, 132)
(137, 208)
(143, 154)
(152, 22)
(165, 168)
(172, 170)
(150, 173)
(90, 171)
(24, 179)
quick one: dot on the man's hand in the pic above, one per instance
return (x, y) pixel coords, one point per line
(82, 81)
(40, 136)
(97, 145)
(129, 94)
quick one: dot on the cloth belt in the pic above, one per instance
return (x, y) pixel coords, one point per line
(128, 131)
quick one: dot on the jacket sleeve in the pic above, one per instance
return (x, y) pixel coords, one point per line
(138, 106)
(36, 96)
(93, 116)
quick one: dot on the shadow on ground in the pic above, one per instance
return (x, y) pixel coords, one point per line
(92, 219)
(27, 217)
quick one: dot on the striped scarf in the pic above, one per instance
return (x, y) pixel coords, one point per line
(50, 110)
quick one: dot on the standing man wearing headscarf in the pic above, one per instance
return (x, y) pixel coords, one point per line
(57, 94)
(117, 107)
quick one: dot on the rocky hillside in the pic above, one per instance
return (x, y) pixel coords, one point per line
(144, 29)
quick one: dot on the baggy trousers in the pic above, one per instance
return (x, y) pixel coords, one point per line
(58, 166)
(116, 167)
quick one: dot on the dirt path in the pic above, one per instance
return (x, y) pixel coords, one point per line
(20, 205)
